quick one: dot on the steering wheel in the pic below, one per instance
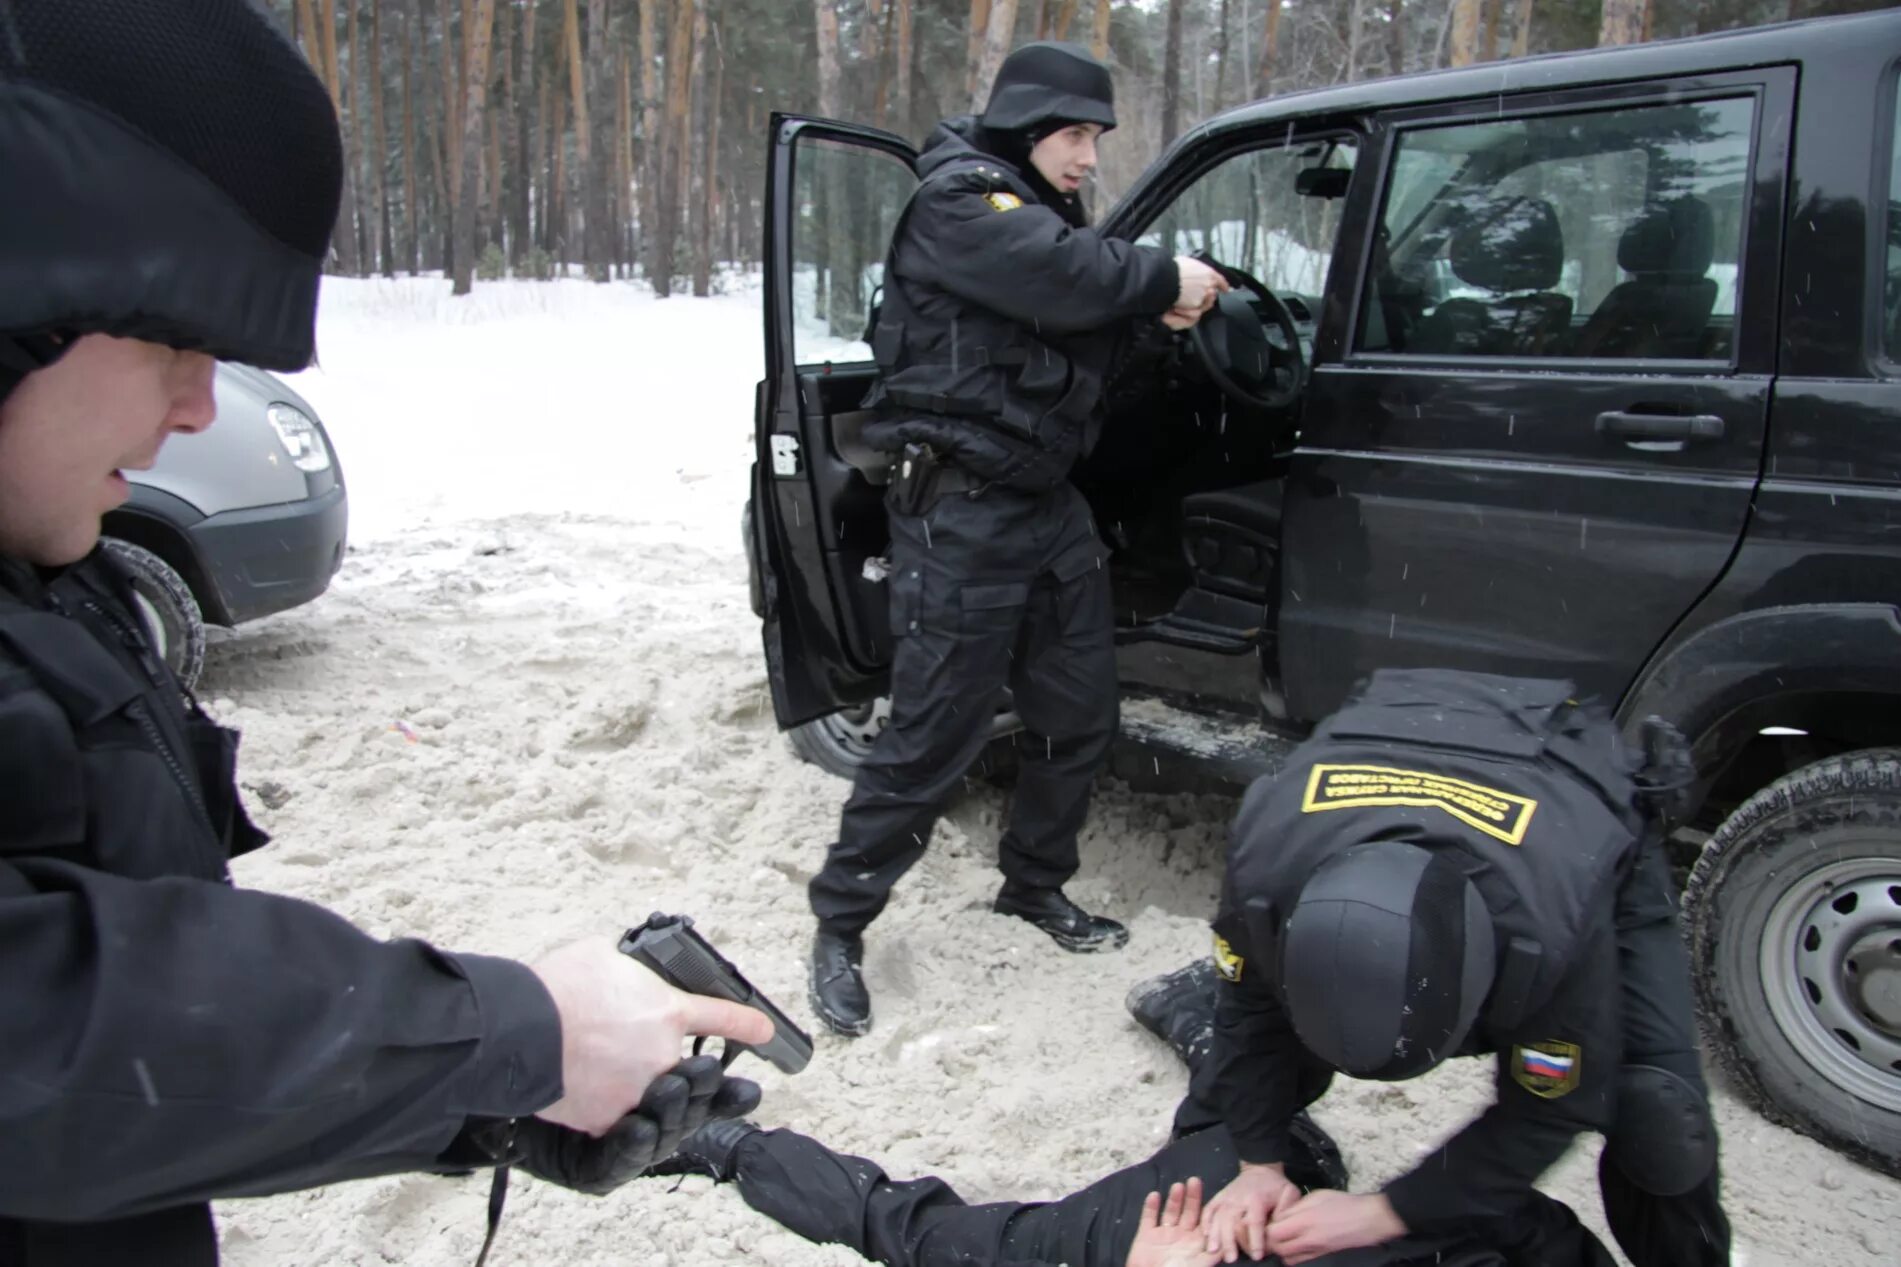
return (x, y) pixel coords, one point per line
(1233, 343)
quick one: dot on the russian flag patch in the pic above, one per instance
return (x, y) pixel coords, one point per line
(1547, 1069)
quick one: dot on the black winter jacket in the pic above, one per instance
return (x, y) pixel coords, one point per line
(1533, 794)
(1001, 320)
(167, 1039)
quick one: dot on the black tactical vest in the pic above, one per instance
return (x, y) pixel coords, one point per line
(1532, 791)
(1014, 406)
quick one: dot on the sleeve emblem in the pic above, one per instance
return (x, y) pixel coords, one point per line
(1003, 201)
(1547, 1069)
(1227, 963)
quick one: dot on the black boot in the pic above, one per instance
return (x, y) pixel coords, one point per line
(837, 987)
(713, 1151)
(1179, 1009)
(1068, 924)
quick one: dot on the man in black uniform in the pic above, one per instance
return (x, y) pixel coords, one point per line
(171, 178)
(1002, 313)
(1460, 864)
(1118, 1221)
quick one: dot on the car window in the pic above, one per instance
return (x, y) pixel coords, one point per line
(1612, 233)
(1249, 213)
(846, 203)
(1891, 289)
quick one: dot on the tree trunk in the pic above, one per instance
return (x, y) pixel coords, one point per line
(974, 49)
(1059, 29)
(600, 232)
(997, 38)
(623, 160)
(1396, 36)
(1462, 43)
(1270, 50)
(344, 240)
(520, 228)
(1488, 46)
(1172, 74)
(901, 68)
(474, 98)
(825, 14)
(1521, 29)
(449, 138)
(379, 146)
(650, 147)
(1099, 36)
(412, 248)
(700, 208)
(674, 149)
(1221, 63)
(548, 105)
(1623, 22)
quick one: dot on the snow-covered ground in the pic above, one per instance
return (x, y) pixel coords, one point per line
(533, 707)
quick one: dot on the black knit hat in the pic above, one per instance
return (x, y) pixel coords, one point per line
(1046, 81)
(1386, 960)
(171, 173)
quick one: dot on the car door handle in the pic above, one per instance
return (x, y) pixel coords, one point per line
(1660, 426)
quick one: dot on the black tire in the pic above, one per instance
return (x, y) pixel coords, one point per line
(1794, 916)
(173, 622)
(838, 742)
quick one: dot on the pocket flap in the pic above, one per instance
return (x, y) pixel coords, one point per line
(973, 598)
(1084, 556)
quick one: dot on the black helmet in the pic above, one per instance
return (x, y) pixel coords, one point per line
(172, 174)
(1386, 960)
(1046, 82)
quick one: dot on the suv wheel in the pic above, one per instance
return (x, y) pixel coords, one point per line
(839, 742)
(172, 620)
(1794, 913)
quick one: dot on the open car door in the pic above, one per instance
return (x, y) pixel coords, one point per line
(834, 192)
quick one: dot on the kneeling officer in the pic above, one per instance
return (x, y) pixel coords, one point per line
(1461, 864)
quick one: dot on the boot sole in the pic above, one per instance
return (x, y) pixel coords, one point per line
(1090, 946)
(843, 1028)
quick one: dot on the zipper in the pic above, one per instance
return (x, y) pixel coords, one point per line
(148, 724)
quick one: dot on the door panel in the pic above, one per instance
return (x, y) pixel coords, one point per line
(1542, 447)
(834, 193)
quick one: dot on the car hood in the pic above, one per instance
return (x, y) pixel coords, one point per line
(238, 462)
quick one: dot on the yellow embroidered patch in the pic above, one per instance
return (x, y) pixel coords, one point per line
(1003, 201)
(1227, 963)
(1493, 812)
(1548, 1069)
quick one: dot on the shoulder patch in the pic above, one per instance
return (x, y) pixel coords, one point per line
(1003, 201)
(1227, 963)
(1496, 813)
(1547, 1069)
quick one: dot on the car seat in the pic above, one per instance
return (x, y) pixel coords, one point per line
(1514, 248)
(1664, 309)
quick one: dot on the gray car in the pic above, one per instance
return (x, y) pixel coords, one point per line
(247, 518)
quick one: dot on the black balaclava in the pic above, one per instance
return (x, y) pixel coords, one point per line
(1042, 88)
(1386, 960)
(172, 174)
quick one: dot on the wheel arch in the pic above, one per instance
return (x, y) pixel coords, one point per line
(156, 521)
(1831, 673)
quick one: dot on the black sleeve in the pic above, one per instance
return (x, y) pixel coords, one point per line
(1028, 263)
(1254, 1062)
(1487, 1169)
(171, 1041)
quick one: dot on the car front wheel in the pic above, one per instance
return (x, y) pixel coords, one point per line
(169, 612)
(839, 742)
(1794, 911)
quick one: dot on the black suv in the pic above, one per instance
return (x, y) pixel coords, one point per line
(1584, 366)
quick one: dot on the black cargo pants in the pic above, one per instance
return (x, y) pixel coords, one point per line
(1003, 588)
(830, 1197)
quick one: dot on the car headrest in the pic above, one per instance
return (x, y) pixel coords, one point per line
(1509, 244)
(1677, 237)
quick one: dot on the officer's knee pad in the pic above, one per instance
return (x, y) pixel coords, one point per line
(1664, 1138)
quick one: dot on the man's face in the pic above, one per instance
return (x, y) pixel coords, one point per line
(67, 431)
(1066, 156)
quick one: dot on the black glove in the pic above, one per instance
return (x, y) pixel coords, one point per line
(678, 1103)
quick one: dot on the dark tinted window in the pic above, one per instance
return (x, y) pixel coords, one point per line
(1613, 233)
(1891, 289)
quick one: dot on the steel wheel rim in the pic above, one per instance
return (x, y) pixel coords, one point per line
(853, 730)
(1813, 941)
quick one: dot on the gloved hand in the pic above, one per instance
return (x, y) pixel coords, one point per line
(678, 1103)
